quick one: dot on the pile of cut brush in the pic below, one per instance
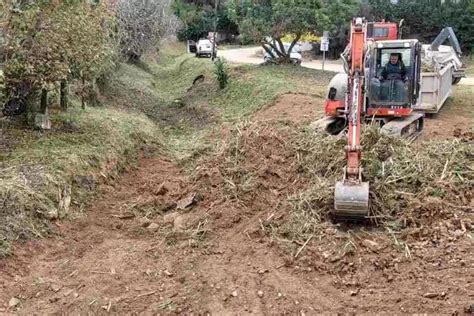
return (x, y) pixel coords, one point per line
(412, 184)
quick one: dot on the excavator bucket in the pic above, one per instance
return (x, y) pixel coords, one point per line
(351, 199)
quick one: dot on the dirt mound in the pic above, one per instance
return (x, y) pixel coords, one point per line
(292, 107)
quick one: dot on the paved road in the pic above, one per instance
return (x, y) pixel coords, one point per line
(248, 55)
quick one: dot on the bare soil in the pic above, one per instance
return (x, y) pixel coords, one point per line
(292, 107)
(209, 251)
(453, 120)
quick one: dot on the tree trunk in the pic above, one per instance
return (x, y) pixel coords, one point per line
(44, 101)
(275, 49)
(64, 95)
(268, 50)
(298, 36)
(282, 48)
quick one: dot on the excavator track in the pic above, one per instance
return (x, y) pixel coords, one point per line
(407, 127)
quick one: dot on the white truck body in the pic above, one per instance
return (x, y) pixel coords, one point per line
(436, 83)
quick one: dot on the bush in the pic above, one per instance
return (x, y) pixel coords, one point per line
(221, 73)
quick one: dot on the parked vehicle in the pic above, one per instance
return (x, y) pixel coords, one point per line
(204, 48)
(295, 55)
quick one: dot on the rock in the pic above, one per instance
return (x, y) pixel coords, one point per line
(153, 227)
(161, 189)
(186, 201)
(260, 293)
(234, 294)
(42, 122)
(372, 245)
(67, 292)
(469, 309)
(55, 287)
(13, 302)
(169, 218)
(354, 293)
(262, 271)
(279, 295)
(179, 223)
(168, 273)
(52, 214)
(430, 295)
(144, 222)
(76, 295)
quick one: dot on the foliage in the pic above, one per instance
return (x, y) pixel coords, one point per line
(198, 20)
(306, 37)
(221, 72)
(142, 24)
(51, 41)
(267, 21)
(339, 13)
(425, 18)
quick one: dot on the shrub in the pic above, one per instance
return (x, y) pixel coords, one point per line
(221, 73)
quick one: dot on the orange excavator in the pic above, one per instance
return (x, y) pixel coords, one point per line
(366, 93)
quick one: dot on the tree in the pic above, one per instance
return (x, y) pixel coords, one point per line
(198, 19)
(424, 19)
(142, 23)
(339, 13)
(267, 21)
(51, 42)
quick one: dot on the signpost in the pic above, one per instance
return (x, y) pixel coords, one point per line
(324, 47)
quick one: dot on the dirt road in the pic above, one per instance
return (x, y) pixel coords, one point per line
(160, 241)
(248, 55)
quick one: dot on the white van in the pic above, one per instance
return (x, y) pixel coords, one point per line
(204, 48)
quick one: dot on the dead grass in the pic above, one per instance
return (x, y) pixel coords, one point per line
(47, 172)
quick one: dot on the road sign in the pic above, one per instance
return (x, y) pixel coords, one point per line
(324, 46)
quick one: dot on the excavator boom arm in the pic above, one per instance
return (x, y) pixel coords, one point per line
(356, 97)
(351, 196)
(447, 34)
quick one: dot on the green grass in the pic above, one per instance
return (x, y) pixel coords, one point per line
(470, 65)
(46, 168)
(257, 86)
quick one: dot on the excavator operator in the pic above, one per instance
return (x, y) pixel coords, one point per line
(393, 80)
(394, 69)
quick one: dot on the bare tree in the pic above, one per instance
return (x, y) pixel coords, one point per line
(142, 23)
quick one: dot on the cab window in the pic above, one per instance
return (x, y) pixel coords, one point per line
(381, 32)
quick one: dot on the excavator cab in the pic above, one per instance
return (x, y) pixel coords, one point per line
(393, 93)
(392, 96)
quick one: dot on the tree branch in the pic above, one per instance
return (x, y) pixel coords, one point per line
(297, 38)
